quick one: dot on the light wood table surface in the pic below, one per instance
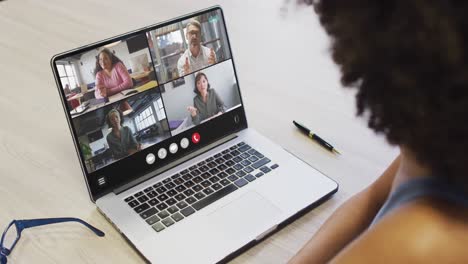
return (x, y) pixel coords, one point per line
(285, 73)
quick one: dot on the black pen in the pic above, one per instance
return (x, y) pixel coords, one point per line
(316, 138)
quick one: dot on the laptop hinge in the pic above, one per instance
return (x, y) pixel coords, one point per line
(173, 164)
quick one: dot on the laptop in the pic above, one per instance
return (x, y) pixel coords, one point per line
(174, 166)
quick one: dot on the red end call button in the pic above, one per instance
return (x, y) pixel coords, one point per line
(195, 138)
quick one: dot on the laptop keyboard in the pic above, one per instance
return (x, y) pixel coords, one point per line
(177, 197)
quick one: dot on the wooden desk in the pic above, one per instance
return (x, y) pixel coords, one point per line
(281, 61)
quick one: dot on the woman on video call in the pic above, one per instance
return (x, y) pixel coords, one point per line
(207, 102)
(111, 75)
(120, 140)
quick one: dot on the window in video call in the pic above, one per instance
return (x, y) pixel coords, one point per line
(131, 94)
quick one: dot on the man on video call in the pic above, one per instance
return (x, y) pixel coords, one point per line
(196, 56)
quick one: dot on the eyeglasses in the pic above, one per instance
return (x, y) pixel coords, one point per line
(7, 243)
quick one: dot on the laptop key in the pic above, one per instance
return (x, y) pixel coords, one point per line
(216, 186)
(238, 167)
(153, 202)
(187, 211)
(197, 188)
(189, 192)
(168, 222)
(235, 153)
(197, 179)
(208, 191)
(180, 197)
(222, 175)
(225, 182)
(237, 159)
(148, 213)
(158, 227)
(190, 200)
(206, 183)
(138, 194)
(201, 163)
(250, 177)
(204, 168)
(260, 163)
(199, 195)
(162, 197)
(241, 144)
(169, 185)
(260, 174)
(166, 180)
(128, 199)
(227, 157)
(178, 181)
(214, 179)
(171, 201)
(244, 155)
(248, 169)
(187, 177)
(230, 163)
(260, 155)
(206, 175)
(143, 198)
(193, 167)
(241, 173)
(161, 189)
(195, 172)
(244, 148)
(163, 214)
(251, 151)
(274, 166)
(181, 204)
(175, 176)
(161, 206)
(214, 197)
(152, 220)
(159, 184)
(141, 208)
(230, 171)
(253, 158)
(233, 178)
(189, 184)
(133, 203)
(152, 194)
(177, 217)
(171, 193)
(222, 167)
(233, 147)
(225, 151)
(265, 169)
(240, 182)
(172, 209)
(246, 162)
(180, 188)
(149, 189)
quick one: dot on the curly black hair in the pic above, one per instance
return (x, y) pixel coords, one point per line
(408, 60)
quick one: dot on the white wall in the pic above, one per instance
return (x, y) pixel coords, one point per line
(221, 78)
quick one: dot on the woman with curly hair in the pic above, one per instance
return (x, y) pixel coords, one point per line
(111, 75)
(408, 61)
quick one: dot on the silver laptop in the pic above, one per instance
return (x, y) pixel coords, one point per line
(162, 138)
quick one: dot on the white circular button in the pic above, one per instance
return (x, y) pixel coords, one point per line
(162, 153)
(150, 158)
(184, 143)
(173, 148)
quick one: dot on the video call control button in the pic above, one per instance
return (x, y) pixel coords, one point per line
(162, 153)
(173, 148)
(184, 143)
(195, 138)
(150, 158)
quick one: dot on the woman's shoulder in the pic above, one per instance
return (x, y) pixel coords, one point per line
(420, 231)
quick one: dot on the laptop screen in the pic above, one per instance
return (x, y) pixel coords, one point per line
(138, 101)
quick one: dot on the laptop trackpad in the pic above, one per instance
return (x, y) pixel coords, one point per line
(247, 214)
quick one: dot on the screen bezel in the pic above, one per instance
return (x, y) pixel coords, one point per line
(117, 174)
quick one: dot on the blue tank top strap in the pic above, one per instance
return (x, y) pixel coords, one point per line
(436, 187)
